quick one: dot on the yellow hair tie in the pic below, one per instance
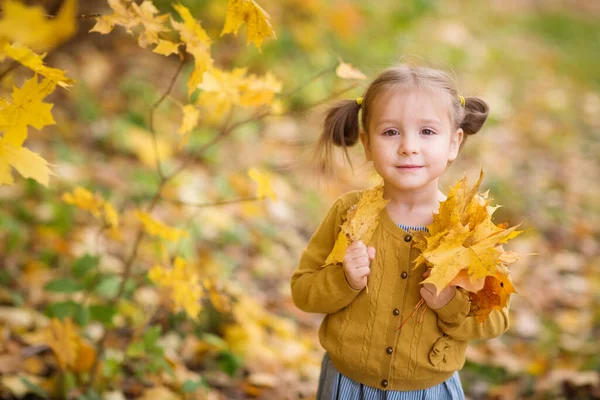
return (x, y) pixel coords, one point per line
(462, 100)
(359, 100)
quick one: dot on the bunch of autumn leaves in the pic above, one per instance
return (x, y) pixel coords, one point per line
(463, 247)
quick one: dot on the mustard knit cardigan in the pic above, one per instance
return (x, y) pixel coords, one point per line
(359, 328)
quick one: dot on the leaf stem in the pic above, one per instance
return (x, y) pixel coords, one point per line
(419, 304)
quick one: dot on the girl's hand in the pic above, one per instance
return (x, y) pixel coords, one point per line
(428, 293)
(356, 264)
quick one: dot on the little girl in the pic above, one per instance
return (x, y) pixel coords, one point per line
(412, 126)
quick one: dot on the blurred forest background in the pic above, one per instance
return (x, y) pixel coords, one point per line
(200, 307)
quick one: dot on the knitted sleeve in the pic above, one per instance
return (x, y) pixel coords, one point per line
(318, 287)
(453, 320)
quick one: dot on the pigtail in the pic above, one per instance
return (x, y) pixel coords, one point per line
(476, 113)
(341, 128)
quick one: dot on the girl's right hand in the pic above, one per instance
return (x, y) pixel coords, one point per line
(356, 264)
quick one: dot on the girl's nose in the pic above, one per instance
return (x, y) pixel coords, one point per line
(408, 144)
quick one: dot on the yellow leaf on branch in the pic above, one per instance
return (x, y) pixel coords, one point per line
(153, 24)
(26, 162)
(256, 91)
(197, 43)
(166, 48)
(29, 25)
(256, 19)
(129, 15)
(26, 109)
(35, 62)
(182, 284)
(122, 15)
(158, 229)
(190, 119)
(95, 204)
(222, 90)
(140, 142)
(265, 189)
(85, 200)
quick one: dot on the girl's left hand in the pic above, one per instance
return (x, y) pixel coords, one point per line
(428, 293)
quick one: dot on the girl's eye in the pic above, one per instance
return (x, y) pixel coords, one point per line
(390, 132)
(428, 132)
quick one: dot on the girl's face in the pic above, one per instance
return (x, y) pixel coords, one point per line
(411, 127)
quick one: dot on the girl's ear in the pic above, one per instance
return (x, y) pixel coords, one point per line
(364, 138)
(455, 142)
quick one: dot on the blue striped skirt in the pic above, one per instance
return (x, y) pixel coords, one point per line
(333, 385)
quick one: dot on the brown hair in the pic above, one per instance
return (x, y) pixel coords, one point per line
(341, 127)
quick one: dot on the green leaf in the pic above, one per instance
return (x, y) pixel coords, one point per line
(214, 340)
(103, 313)
(135, 349)
(81, 315)
(61, 309)
(89, 395)
(63, 285)
(4, 277)
(17, 299)
(83, 264)
(151, 335)
(190, 386)
(68, 381)
(35, 388)
(108, 286)
(229, 362)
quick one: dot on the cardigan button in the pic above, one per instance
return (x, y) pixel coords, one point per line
(407, 238)
(404, 275)
(396, 311)
(389, 350)
(384, 383)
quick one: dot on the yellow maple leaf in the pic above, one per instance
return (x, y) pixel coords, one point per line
(63, 339)
(190, 119)
(463, 246)
(71, 351)
(256, 91)
(26, 162)
(361, 221)
(166, 48)
(141, 143)
(220, 91)
(85, 200)
(264, 184)
(29, 26)
(158, 229)
(257, 20)
(183, 284)
(347, 71)
(122, 15)
(111, 218)
(153, 24)
(26, 109)
(197, 43)
(35, 62)
(97, 206)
